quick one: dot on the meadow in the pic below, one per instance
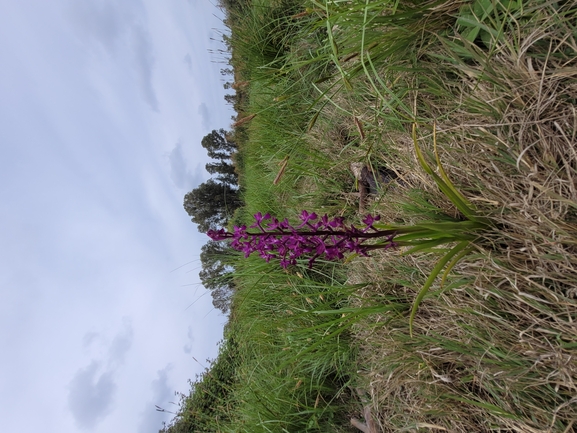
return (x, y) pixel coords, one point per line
(472, 106)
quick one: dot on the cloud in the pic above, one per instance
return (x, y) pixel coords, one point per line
(188, 61)
(151, 419)
(121, 343)
(161, 392)
(91, 391)
(117, 27)
(91, 395)
(181, 176)
(204, 116)
(89, 338)
(188, 347)
(99, 21)
(144, 62)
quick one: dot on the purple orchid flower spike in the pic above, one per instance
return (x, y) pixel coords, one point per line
(315, 238)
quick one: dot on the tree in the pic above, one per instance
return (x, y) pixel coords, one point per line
(215, 258)
(225, 170)
(226, 71)
(211, 204)
(222, 298)
(220, 167)
(230, 98)
(217, 145)
(216, 275)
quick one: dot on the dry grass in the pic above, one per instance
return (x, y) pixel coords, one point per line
(497, 351)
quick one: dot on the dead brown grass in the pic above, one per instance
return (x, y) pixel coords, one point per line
(498, 350)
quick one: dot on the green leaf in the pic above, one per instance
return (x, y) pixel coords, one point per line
(490, 407)
(472, 34)
(429, 245)
(482, 8)
(454, 262)
(444, 185)
(314, 119)
(436, 270)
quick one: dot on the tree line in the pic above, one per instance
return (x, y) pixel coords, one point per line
(210, 206)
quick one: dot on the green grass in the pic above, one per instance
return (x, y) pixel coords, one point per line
(295, 361)
(334, 83)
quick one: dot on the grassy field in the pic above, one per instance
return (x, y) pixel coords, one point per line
(332, 83)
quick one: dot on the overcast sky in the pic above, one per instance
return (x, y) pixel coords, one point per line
(102, 108)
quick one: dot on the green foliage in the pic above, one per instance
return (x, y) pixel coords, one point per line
(208, 406)
(217, 259)
(226, 172)
(475, 20)
(295, 361)
(433, 234)
(211, 204)
(218, 145)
